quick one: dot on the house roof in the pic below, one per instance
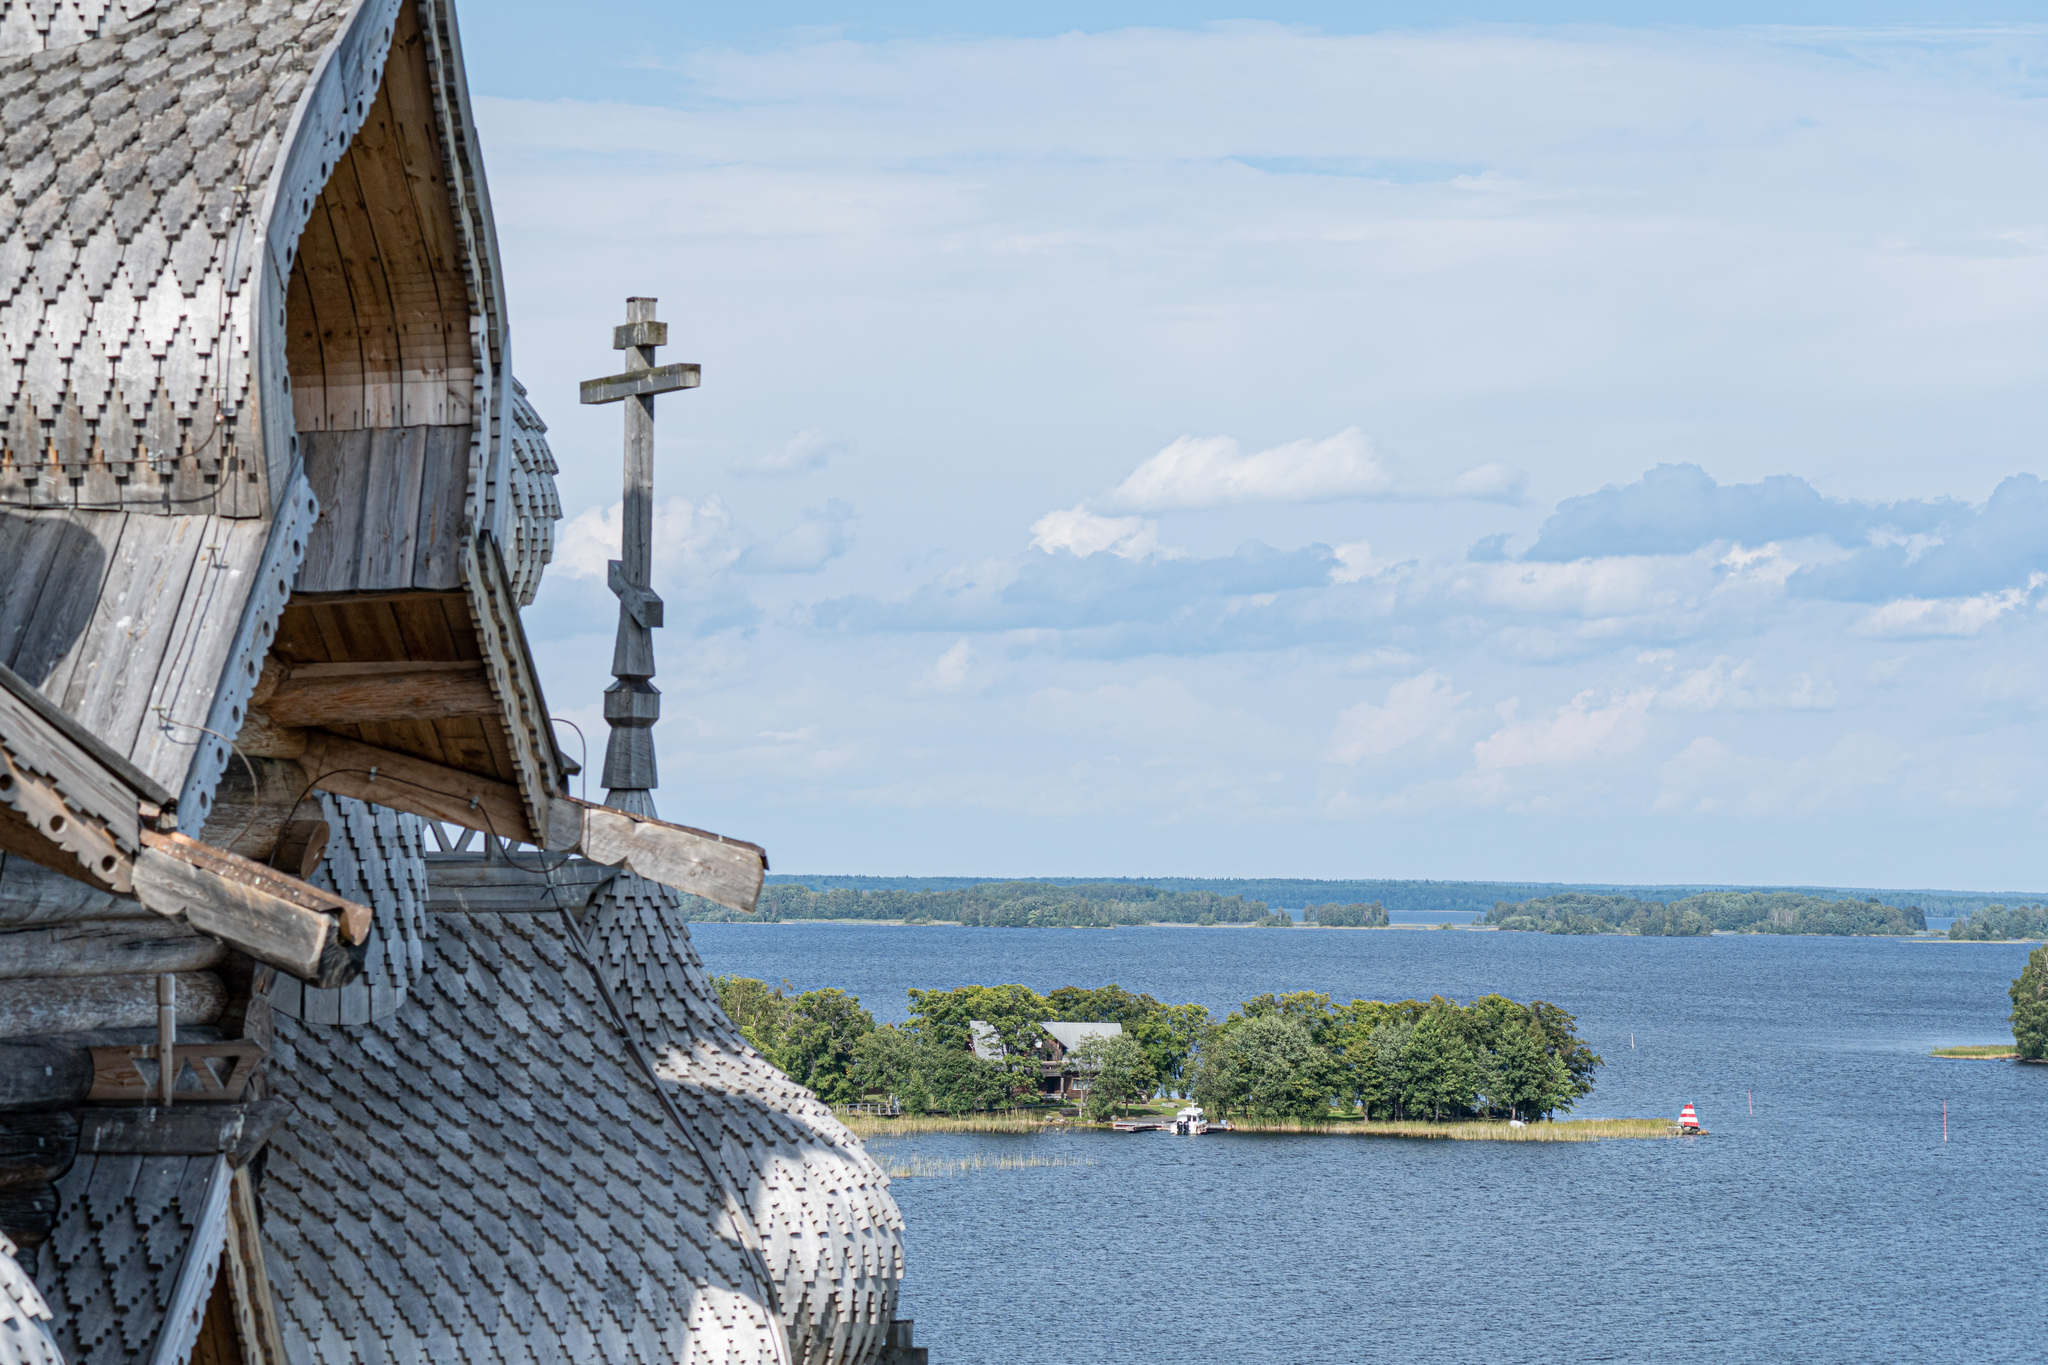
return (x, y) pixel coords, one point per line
(1070, 1036)
(487, 1173)
(136, 1245)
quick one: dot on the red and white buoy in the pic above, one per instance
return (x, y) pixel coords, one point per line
(1687, 1118)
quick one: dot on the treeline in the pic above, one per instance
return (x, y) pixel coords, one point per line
(1296, 1056)
(2030, 1007)
(1025, 905)
(1404, 896)
(1996, 922)
(1745, 912)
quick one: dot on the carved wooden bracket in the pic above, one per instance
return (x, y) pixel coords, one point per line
(217, 1073)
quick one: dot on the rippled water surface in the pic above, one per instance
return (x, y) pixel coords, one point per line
(1834, 1224)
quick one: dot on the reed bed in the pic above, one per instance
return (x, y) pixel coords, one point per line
(1987, 1051)
(873, 1125)
(917, 1166)
(1479, 1130)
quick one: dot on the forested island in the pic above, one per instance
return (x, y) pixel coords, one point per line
(1407, 896)
(1743, 912)
(1996, 923)
(1032, 905)
(1299, 1056)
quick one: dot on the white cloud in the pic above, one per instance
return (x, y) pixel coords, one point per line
(1575, 733)
(1914, 617)
(1156, 713)
(1081, 532)
(1209, 471)
(1416, 708)
(824, 534)
(692, 537)
(951, 672)
(1726, 686)
(801, 454)
(1354, 562)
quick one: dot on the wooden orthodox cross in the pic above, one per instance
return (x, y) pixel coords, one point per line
(632, 703)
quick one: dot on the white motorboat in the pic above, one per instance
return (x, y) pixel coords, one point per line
(1190, 1121)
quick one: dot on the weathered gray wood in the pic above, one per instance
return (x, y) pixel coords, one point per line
(37, 823)
(36, 1148)
(55, 565)
(330, 695)
(153, 568)
(444, 486)
(254, 799)
(300, 847)
(633, 335)
(28, 1212)
(207, 621)
(384, 777)
(31, 894)
(641, 383)
(391, 501)
(58, 729)
(61, 790)
(693, 861)
(39, 1075)
(106, 949)
(336, 464)
(75, 1004)
(236, 1131)
(250, 915)
(530, 882)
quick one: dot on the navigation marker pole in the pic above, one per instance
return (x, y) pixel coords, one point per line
(632, 703)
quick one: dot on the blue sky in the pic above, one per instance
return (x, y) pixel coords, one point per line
(1572, 442)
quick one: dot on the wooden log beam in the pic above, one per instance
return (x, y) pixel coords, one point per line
(275, 918)
(461, 883)
(236, 1131)
(435, 791)
(107, 949)
(694, 861)
(28, 1213)
(32, 894)
(253, 801)
(327, 695)
(40, 1075)
(76, 1004)
(35, 1149)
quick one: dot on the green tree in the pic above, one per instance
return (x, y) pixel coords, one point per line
(1182, 1027)
(760, 1010)
(2030, 1006)
(944, 1020)
(817, 1049)
(1561, 1039)
(924, 1076)
(1269, 1066)
(1119, 1072)
(1386, 1055)
(1440, 1068)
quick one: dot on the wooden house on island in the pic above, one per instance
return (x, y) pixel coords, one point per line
(1060, 1075)
(332, 1028)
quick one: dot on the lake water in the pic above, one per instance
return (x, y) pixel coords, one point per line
(1833, 1224)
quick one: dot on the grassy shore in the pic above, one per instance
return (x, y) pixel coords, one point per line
(1476, 1130)
(1987, 1051)
(1479, 1130)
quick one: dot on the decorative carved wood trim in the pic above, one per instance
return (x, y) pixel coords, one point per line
(132, 1074)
